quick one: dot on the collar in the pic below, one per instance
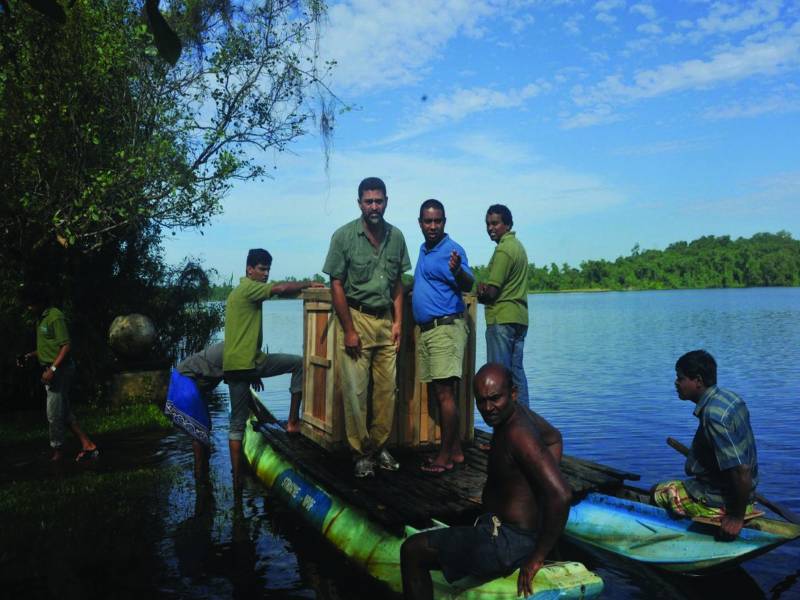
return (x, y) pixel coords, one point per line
(438, 246)
(704, 400)
(506, 235)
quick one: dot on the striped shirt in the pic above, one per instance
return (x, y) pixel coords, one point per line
(724, 440)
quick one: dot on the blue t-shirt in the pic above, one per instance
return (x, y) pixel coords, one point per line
(436, 292)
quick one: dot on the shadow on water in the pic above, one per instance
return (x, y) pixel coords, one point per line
(134, 523)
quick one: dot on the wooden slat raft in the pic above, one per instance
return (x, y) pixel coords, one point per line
(411, 497)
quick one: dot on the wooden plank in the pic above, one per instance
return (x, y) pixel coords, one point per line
(325, 363)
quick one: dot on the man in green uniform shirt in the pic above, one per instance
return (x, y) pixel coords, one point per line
(505, 295)
(365, 261)
(53, 352)
(242, 359)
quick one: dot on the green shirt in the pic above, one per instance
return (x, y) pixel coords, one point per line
(368, 273)
(243, 325)
(51, 334)
(508, 272)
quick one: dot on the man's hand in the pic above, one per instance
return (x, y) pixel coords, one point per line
(47, 376)
(352, 344)
(396, 327)
(316, 284)
(729, 527)
(455, 261)
(527, 572)
(257, 384)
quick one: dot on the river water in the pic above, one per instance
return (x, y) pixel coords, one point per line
(600, 367)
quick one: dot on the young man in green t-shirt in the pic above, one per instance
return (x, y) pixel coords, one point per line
(53, 350)
(242, 358)
(505, 296)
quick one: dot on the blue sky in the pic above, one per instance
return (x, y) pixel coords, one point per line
(600, 124)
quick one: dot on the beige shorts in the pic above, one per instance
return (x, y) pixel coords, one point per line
(440, 351)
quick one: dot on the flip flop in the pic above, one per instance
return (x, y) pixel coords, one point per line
(434, 469)
(87, 455)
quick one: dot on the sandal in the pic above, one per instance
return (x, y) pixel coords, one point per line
(90, 454)
(435, 469)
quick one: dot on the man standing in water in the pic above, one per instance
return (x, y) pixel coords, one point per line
(187, 406)
(505, 295)
(242, 358)
(722, 461)
(524, 491)
(442, 274)
(365, 261)
(53, 351)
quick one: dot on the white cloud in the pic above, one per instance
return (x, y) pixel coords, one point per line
(388, 43)
(778, 104)
(649, 28)
(573, 24)
(663, 147)
(606, 18)
(729, 17)
(608, 5)
(464, 102)
(598, 115)
(646, 10)
(776, 54)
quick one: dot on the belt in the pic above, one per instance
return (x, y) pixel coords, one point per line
(367, 310)
(445, 320)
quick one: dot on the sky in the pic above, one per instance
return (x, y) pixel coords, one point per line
(600, 124)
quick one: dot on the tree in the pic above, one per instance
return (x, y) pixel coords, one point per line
(105, 146)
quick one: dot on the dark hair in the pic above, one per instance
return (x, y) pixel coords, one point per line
(502, 210)
(432, 203)
(371, 183)
(258, 256)
(698, 363)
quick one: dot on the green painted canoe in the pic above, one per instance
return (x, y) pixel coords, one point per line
(377, 551)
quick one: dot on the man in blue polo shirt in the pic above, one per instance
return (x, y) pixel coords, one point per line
(442, 274)
(722, 462)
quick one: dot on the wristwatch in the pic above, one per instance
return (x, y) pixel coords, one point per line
(53, 368)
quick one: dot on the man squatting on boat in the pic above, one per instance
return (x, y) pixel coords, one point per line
(242, 357)
(441, 276)
(365, 262)
(722, 461)
(525, 497)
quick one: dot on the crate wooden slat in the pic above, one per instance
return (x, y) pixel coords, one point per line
(416, 416)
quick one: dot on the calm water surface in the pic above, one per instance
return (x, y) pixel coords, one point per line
(601, 368)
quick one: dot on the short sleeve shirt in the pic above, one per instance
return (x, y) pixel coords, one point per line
(724, 439)
(204, 367)
(436, 291)
(51, 334)
(508, 272)
(367, 273)
(243, 325)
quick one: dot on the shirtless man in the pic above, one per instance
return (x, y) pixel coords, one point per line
(526, 500)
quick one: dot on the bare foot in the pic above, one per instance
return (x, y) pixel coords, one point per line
(293, 426)
(57, 456)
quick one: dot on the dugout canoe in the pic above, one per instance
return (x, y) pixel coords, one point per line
(626, 524)
(360, 519)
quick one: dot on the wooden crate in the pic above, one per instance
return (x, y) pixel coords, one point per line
(415, 421)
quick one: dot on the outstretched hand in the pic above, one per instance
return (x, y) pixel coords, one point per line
(257, 384)
(527, 572)
(455, 261)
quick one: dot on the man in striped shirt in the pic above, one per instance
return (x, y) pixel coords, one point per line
(722, 461)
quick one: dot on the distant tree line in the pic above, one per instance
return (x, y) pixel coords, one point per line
(764, 260)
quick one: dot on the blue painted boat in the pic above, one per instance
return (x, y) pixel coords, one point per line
(627, 525)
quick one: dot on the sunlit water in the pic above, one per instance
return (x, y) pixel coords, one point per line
(600, 368)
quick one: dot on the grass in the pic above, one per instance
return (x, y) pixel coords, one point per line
(32, 426)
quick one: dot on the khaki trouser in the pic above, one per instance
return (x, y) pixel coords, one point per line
(378, 357)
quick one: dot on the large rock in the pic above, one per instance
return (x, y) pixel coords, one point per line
(132, 336)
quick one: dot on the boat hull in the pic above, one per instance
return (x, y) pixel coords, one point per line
(649, 535)
(377, 551)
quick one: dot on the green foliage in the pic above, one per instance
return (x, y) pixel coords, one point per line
(105, 147)
(766, 259)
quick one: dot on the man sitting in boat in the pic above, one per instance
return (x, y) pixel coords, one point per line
(442, 274)
(197, 375)
(242, 354)
(525, 497)
(722, 461)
